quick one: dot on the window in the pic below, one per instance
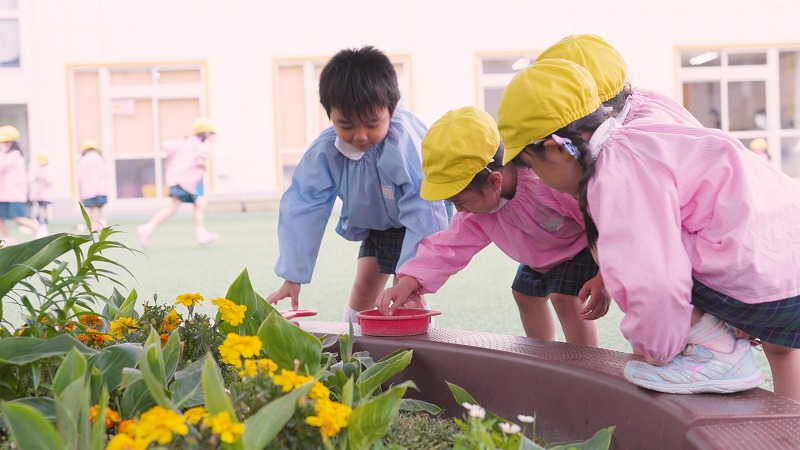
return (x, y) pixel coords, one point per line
(299, 115)
(131, 110)
(9, 34)
(495, 71)
(753, 93)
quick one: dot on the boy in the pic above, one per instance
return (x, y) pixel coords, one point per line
(370, 159)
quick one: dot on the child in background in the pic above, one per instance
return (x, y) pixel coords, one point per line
(187, 159)
(14, 186)
(93, 182)
(688, 230)
(41, 192)
(370, 159)
(542, 229)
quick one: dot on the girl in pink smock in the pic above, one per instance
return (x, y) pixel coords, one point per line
(42, 191)
(510, 207)
(93, 182)
(688, 230)
(13, 186)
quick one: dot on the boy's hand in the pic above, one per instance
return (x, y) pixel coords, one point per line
(287, 289)
(599, 300)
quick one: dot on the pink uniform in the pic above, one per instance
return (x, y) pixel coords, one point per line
(92, 175)
(186, 162)
(539, 227)
(673, 202)
(42, 184)
(13, 178)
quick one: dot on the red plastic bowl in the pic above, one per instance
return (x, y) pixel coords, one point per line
(404, 322)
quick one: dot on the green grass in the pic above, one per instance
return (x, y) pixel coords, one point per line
(478, 298)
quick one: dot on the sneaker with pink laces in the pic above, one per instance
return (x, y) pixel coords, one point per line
(700, 370)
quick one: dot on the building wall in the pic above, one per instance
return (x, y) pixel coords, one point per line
(240, 39)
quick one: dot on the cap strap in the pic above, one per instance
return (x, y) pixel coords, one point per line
(601, 135)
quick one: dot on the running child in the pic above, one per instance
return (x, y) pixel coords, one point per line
(42, 191)
(370, 159)
(542, 229)
(688, 229)
(93, 182)
(14, 186)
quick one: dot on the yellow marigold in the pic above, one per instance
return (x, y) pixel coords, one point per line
(158, 424)
(230, 312)
(122, 326)
(189, 299)
(235, 347)
(164, 338)
(112, 416)
(90, 320)
(289, 380)
(170, 322)
(319, 392)
(127, 427)
(228, 430)
(331, 417)
(195, 415)
(255, 367)
(125, 442)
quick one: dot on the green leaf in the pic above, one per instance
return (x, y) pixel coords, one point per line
(152, 366)
(414, 405)
(130, 376)
(241, 292)
(172, 354)
(261, 427)
(284, 342)
(154, 356)
(72, 368)
(30, 429)
(136, 399)
(527, 444)
(370, 421)
(98, 435)
(600, 441)
(463, 396)
(381, 371)
(45, 405)
(214, 389)
(126, 309)
(112, 360)
(187, 389)
(24, 350)
(68, 413)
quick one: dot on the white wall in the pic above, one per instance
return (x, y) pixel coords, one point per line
(240, 38)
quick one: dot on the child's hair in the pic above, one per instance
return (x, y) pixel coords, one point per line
(573, 131)
(478, 182)
(617, 102)
(357, 82)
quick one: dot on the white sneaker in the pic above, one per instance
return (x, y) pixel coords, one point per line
(699, 370)
(144, 232)
(42, 231)
(24, 229)
(204, 237)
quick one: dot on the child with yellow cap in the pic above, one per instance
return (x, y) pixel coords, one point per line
(688, 230)
(42, 190)
(93, 182)
(370, 160)
(14, 186)
(462, 161)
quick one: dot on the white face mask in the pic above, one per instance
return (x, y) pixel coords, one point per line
(350, 151)
(500, 204)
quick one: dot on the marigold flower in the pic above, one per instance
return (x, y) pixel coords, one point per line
(92, 335)
(159, 424)
(289, 380)
(228, 430)
(195, 415)
(189, 299)
(125, 442)
(90, 320)
(112, 416)
(170, 322)
(319, 392)
(255, 367)
(235, 347)
(230, 312)
(122, 326)
(128, 427)
(331, 417)
(164, 338)
(69, 326)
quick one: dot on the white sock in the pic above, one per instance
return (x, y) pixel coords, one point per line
(350, 315)
(712, 333)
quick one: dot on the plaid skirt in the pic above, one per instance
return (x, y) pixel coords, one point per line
(566, 278)
(385, 246)
(775, 322)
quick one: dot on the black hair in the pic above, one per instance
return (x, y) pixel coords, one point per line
(358, 82)
(617, 102)
(478, 182)
(573, 131)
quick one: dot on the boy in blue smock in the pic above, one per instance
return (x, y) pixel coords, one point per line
(370, 159)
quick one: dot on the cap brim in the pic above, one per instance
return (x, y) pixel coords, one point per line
(509, 153)
(433, 192)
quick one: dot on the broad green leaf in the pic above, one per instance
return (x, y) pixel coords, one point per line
(414, 405)
(261, 427)
(30, 429)
(45, 405)
(130, 376)
(152, 366)
(172, 354)
(98, 436)
(24, 350)
(154, 356)
(136, 399)
(381, 371)
(113, 360)
(241, 292)
(370, 421)
(346, 344)
(72, 368)
(68, 413)
(600, 441)
(527, 444)
(214, 389)
(126, 310)
(187, 389)
(284, 342)
(463, 396)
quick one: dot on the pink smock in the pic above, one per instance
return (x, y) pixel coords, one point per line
(186, 162)
(93, 179)
(13, 178)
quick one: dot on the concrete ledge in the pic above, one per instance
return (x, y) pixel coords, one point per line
(577, 390)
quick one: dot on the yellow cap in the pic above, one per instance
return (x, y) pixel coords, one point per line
(595, 55)
(43, 159)
(203, 125)
(8, 133)
(758, 144)
(543, 98)
(90, 143)
(458, 146)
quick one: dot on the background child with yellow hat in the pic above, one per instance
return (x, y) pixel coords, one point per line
(14, 186)
(688, 230)
(42, 190)
(93, 182)
(510, 207)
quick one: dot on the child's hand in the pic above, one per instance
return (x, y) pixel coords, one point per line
(396, 296)
(287, 289)
(599, 300)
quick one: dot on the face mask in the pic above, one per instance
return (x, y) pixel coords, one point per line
(350, 151)
(500, 204)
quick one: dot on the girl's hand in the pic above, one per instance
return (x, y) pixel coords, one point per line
(599, 300)
(396, 296)
(287, 289)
